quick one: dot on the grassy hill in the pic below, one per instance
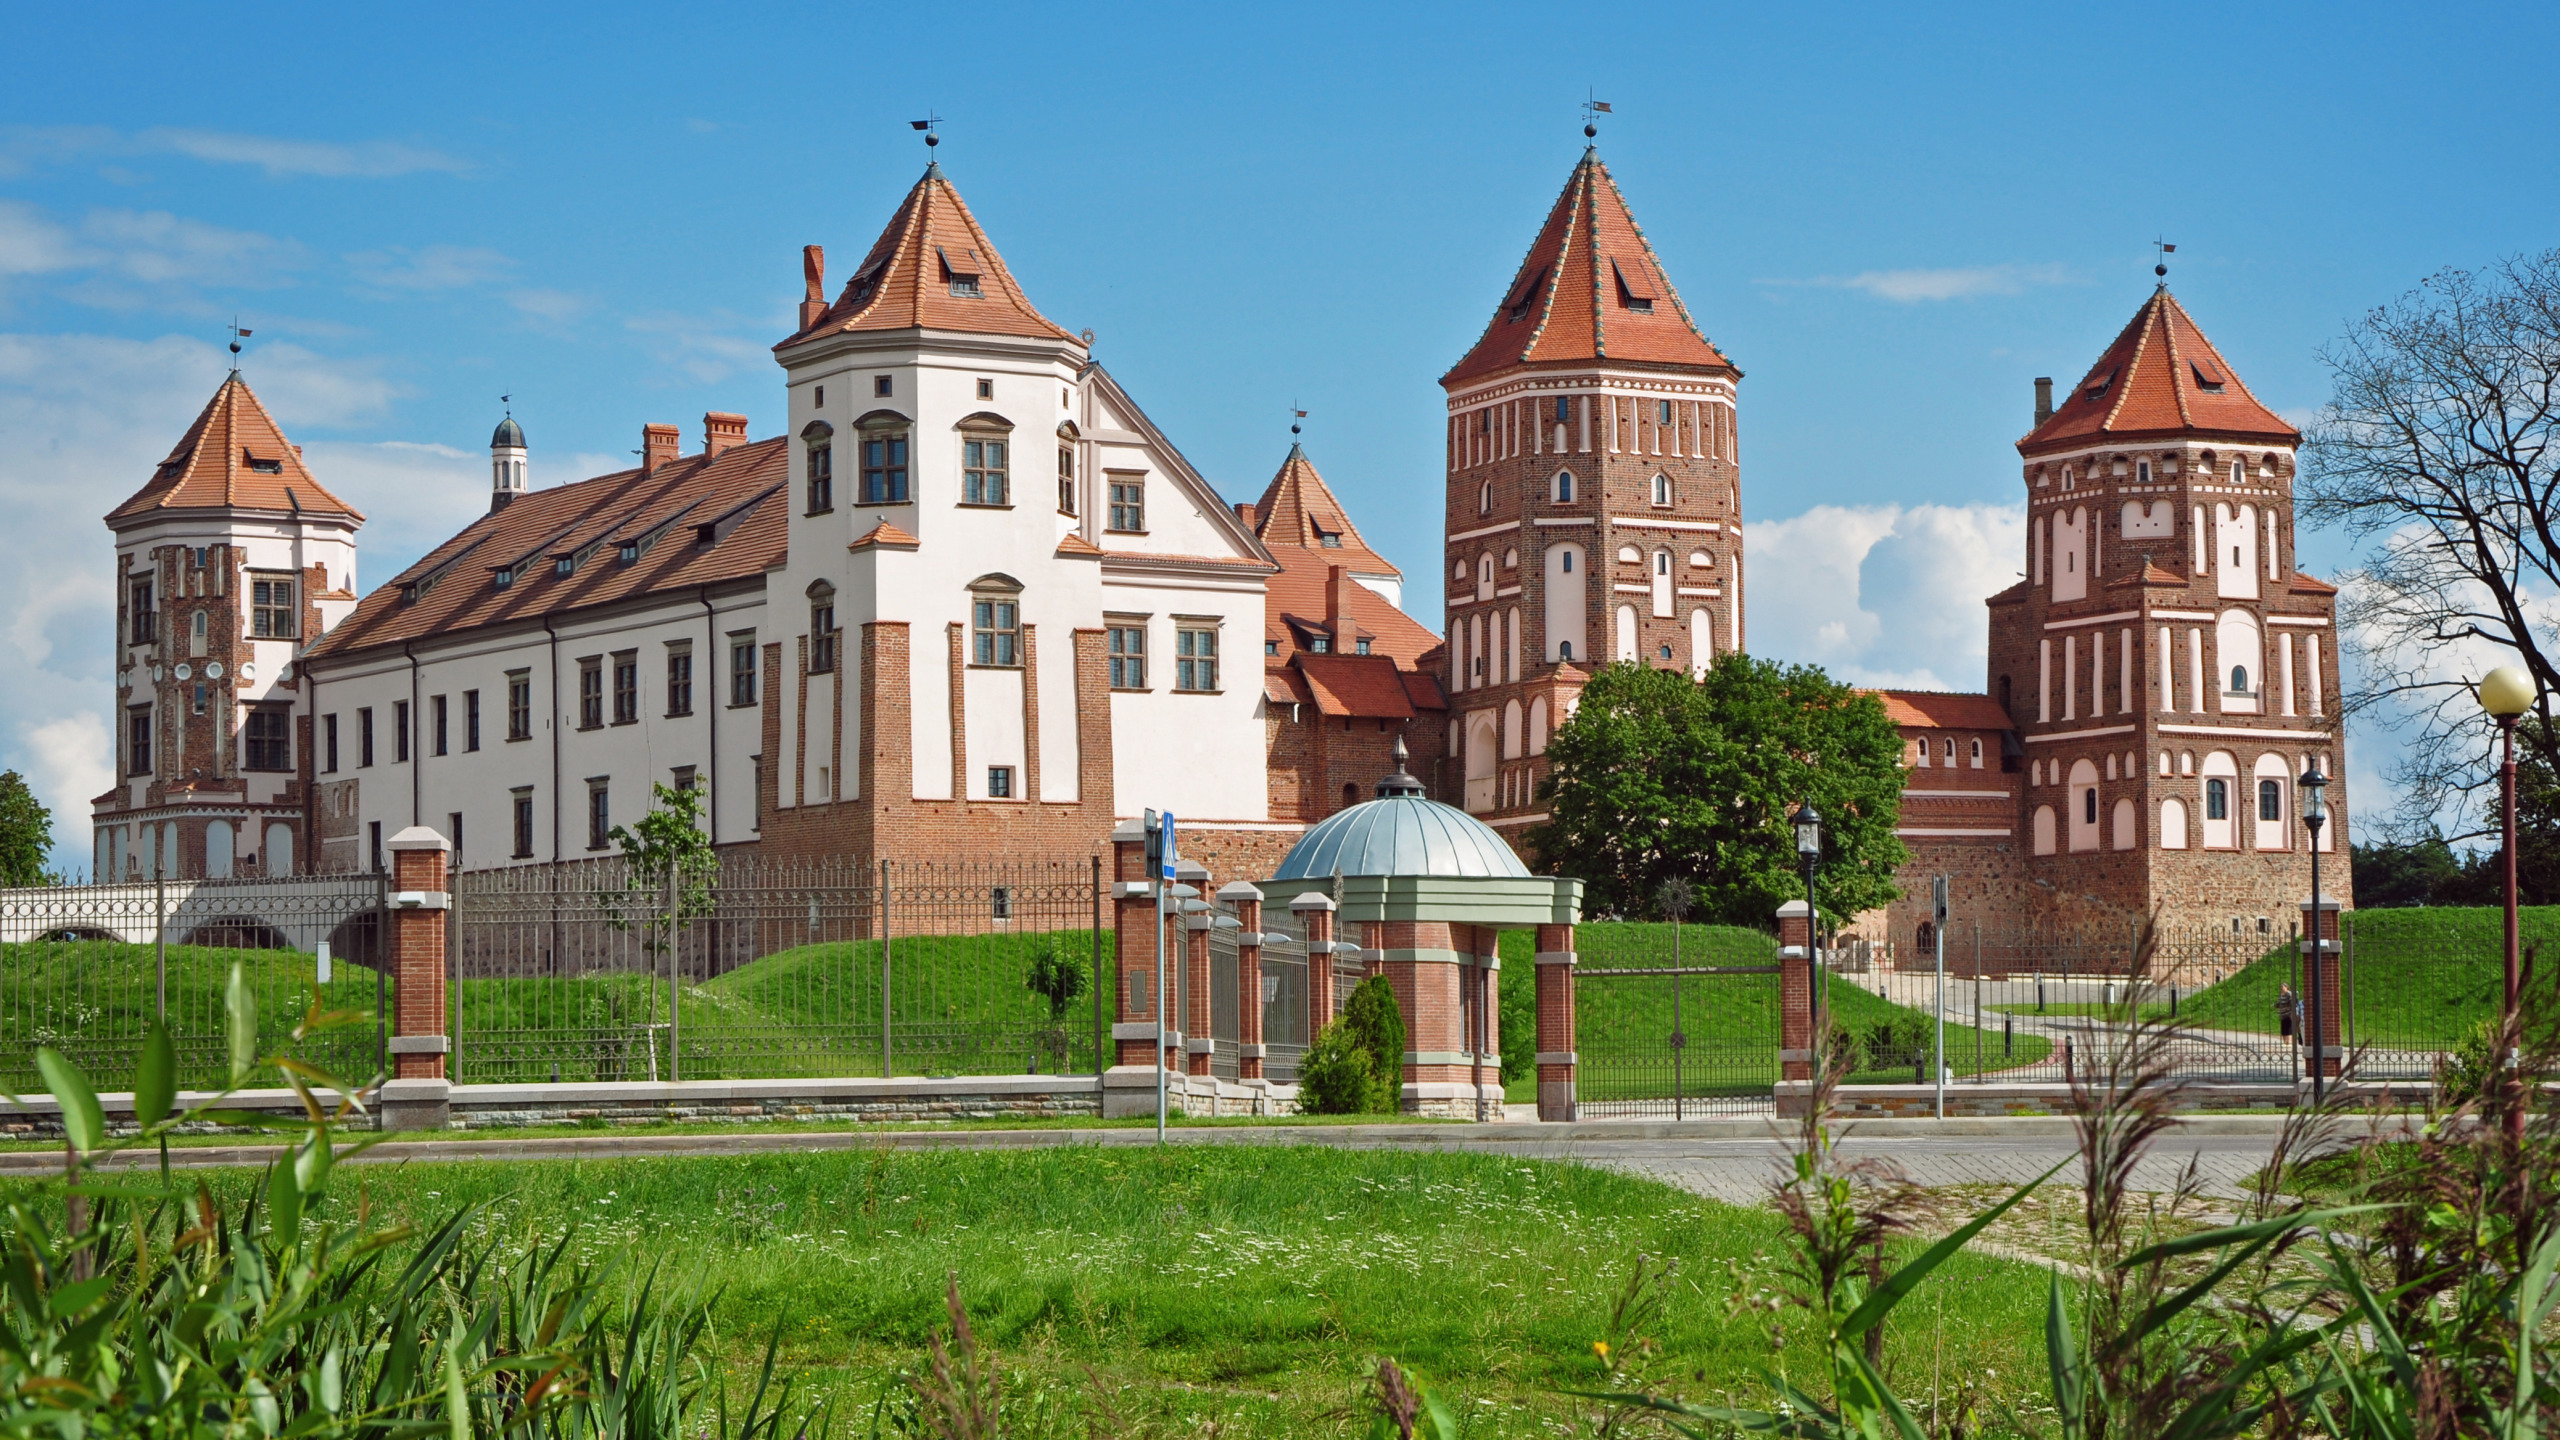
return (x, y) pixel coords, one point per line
(2414, 979)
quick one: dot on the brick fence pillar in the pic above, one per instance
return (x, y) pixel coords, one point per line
(1198, 1024)
(1556, 1057)
(418, 1095)
(1129, 1088)
(1315, 912)
(2321, 1053)
(1795, 991)
(1248, 907)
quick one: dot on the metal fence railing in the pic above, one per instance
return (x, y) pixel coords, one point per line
(570, 972)
(1674, 1021)
(86, 968)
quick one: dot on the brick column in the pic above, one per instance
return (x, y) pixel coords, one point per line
(1197, 1042)
(1315, 911)
(1373, 945)
(1556, 1057)
(1130, 1086)
(1795, 991)
(1486, 976)
(2320, 947)
(1248, 907)
(418, 1094)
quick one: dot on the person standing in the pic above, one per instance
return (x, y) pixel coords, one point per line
(2287, 1007)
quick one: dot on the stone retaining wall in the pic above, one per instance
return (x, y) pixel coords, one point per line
(1979, 1101)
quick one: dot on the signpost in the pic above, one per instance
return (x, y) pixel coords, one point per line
(1160, 863)
(1938, 936)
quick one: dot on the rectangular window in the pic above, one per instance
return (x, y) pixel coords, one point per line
(822, 478)
(999, 782)
(626, 687)
(142, 621)
(822, 638)
(982, 473)
(519, 704)
(884, 469)
(373, 842)
(470, 719)
(680, 680)
(437, 731)
(523, 809)
(997, 632)
(1195, 659)
(742, 669)
(271, 609)
(364, 736)
(756, 821)
(681, 777)
(1128, 657)
(1129, 506)
(197, 704)
(137, 741)
(329, 744)
(453, 832)
(399, 732)
(591, 692)
(1066, 480)
(599, 814)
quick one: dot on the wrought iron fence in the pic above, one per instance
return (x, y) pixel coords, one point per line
(573, 972)
(86, 968)
(1674, 1021)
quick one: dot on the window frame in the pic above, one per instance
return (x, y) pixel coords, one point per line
(1126, 495)
(276, 748)
(626, 687)
(138, 740)
(142, 614)
(364, 736)
(1000, 783)
(1066, 476)
(329, 744)
(742, 679)
(986, 470)
(995, 629)
(599, 813)
(519, 705)
(679, 678)
(520, 821)
(888, 453)
(439, 725)
(1190, 665)
(822, 633)
(470, 721)
(1560, 488)
(591, 692)
(266, 612)
(1127, 669)
(817, 440)
(400, 721)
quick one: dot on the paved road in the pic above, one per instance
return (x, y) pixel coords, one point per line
(1728, 1159)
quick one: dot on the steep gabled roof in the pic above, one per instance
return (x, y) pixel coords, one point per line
(1942, 710)
(234, 456)
(1299, 509)
(2160, 378)
(1576, 297)
(906, 280)
(697, 520)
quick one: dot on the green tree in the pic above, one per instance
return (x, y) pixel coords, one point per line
(668, 866)
(26, 832)
(1356, 1064)
(1657, 777)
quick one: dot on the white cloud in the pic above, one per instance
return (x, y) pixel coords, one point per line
(125, 259)
(1882, 594)
(549, 306)
(707, 348)
(24, 147)
(431, 267)
(1964, 282)
(73, 765)
(33, 243)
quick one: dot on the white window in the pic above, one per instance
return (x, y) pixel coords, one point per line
(995, 625)
(999, 782)
(982, 473)
(271, 609)
(1195, 658)
(1128, 642)
(1662, 490)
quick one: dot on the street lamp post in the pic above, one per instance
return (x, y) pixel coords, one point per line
(2506, 693)
(2314, 813)
(1808, 827)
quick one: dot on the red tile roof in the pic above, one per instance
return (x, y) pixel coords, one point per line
(1568, 304)
(2161, 377)
(905, 281)
(1299, 509)
(2306, 583)
(234, 456)
(1369, 687)
(1942, 710)
(885, 534)
(2149, 575)
(697, 520)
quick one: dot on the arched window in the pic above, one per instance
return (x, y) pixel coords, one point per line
(1350, 795)
(1662, 490)
(1977, 753)
(1067, 437)
(986, 472)
(818, 439)
(2173, 824)
(2217, 799)
(995, 621)
(1926, 938)
(1568, 562)
(2239, 679)
(884, 458)
(2270, 800)
(1484, 497)
(1564, 487)
(2089, 806)
(2238, 472)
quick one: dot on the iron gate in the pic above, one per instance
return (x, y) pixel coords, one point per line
(1675, 1024)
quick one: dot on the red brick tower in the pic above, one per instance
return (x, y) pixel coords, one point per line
(1594, 499)
(2168, 669)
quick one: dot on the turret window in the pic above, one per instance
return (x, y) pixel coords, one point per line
(996, 630)
(141, 620)
(819, 437)
(1564, 486)
(982, 473)
(1662, 490)
(884, 469)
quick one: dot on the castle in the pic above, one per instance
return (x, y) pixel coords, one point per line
(971, 599)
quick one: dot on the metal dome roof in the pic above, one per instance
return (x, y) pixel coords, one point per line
(1401, 835)
(509, 435)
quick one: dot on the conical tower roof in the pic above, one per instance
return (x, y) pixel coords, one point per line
(932, 247)
(1299, 509)
(234, 457)
(1590, 289)
(2160, 378)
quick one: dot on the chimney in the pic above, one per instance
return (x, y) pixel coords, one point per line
(1245, 513)
(2044, 398)
(813, 273)
(657, 446)
(721, 430)
(1337, 609)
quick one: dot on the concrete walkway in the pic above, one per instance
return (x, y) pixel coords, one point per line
(1726, 1159)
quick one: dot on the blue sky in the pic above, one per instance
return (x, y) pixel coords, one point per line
(1893, 220)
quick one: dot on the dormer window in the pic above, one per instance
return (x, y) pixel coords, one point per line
(1635, 285)
(504, 577)
(960, 266)
(1361, 646)
(1329, 539)
(2207, 380)
(1319, 644)
(2098, 387)
(630, 552)
(1517, 307)
(262, 465)
(565, 566)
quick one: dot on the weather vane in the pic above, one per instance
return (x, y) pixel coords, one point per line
(932, 136)
(509, 401)
(237, 335)
(1591, 110)
(2161, 250)
(1295, 415)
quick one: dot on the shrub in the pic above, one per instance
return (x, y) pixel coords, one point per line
(1334, 1076)
(2463, 1073)
(1377, 1026)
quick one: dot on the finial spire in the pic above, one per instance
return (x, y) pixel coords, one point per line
(1397, 782)
(1295, 415)
(2161, 250)
(932, 134)
(1591, 110)
(237, 335)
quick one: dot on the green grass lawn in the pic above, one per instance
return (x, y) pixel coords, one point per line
(94, 999)
(1249, 1288)
(2419, 978)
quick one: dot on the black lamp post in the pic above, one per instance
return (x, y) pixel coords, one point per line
(1808, 827)
(2314, 814)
